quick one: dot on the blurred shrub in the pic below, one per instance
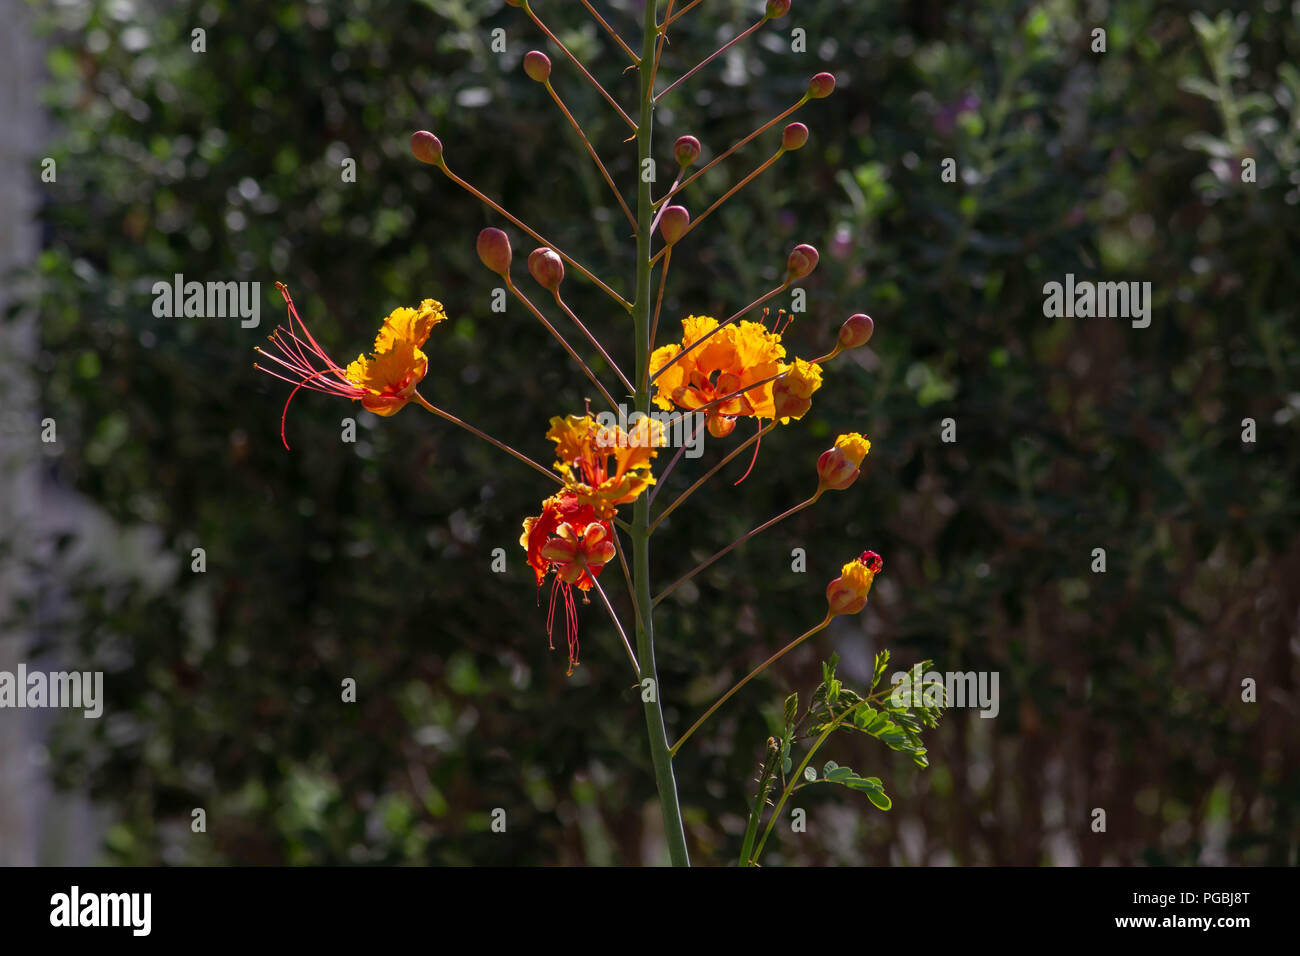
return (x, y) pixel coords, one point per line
(370, 560)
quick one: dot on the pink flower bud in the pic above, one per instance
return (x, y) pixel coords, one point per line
(795, 135)
(538, 66)
(686, 151)
(776, 9)
(821, 86)
(494, 249)
(547, 268)
(802, 261)
(856, 331)
(426, 147)
(673, 224)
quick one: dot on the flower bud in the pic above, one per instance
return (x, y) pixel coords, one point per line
(838, 467)
(792, 392)
(776, 9)
(547, 268)
(426, 147)
(720, 426)
(537, 65)
(847, 594)
(795, 135)
(673, 223)
(787, 404)
(494, 249)
(802, 261)
(686, 151)
(821, 86)
(856, 331)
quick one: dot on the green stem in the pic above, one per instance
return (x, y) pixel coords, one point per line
(674, 832)
(765, 777)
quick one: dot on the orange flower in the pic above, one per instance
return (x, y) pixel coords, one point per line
(567, 538)
(383, 382)
(847, 594)
(734, 358)
(583, 449)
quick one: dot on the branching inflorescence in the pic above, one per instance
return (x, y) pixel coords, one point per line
(715, 376)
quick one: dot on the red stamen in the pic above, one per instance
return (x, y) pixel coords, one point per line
(755, 458)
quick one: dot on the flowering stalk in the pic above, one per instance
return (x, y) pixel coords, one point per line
(640, 532)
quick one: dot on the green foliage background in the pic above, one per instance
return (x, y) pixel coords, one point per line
(1120, 691)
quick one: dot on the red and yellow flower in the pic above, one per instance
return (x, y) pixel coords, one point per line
(838, 467)
(847, 594)
(569, 540)
(733, 359)
(383, 382)
(605, 466)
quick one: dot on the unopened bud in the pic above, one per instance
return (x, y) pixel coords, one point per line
(847, 594)
(776, 9)
(538, 66)
(547, 268)
(426, 147)
(802, 261)
(786, 403)
(856, 331)
(821, 86)
(838, 466)
(686, 150)
(494, 249)
(673, 224)
(795, 135)
(720, 426)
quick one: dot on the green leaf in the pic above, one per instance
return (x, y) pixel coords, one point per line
(791, 709)
(810, 774)
(879, 799)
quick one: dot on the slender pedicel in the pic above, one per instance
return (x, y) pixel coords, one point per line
(523, 4)
(739, 541)
(538, 67)
(427, 148)
(494, 250)
(752, 674)
(423, 403)
(775, 10)
(636, 60)
(709, 474)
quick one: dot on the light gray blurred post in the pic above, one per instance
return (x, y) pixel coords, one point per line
(20, 138)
